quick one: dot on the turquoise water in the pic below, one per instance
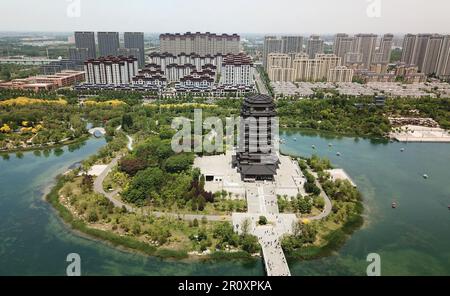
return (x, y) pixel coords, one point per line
(412, 239)
(33, 241)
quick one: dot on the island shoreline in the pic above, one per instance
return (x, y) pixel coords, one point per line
(42, 148)
(126, 244)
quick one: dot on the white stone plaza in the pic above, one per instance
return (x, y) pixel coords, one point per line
(416, 133)
(220, 175)
(261, 199)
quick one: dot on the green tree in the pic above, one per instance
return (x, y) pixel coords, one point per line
(262, 220)
(127, 121)
(304, 205)
(249, 243)
(87, 183)
(179, 162)
(143, 185)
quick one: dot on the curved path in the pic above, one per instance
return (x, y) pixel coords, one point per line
(269, 237)
(130, 143)
(98, 187)
(328, 205)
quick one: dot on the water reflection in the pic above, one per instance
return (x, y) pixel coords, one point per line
(76, 146)
(46, 153)
(58, 151)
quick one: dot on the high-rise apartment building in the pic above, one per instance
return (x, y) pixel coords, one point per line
(409, 41)
(111, 70)
(165, 59)
(306, 69)
(86, 40)
(429, 52)
(285, 44)
(279, 60)
(432, 52)
(419, 50)
(199, 43)
(291, 44)
(314, 46)
(271, 45)
(385, 48)
(237, 69)
(366, 45)
(129, 52)
(353, 58)
(329, 61)
(78, 55)
(343, 44)
(133, 41)
(443, 68)
(340, 74)
(362, 49)
(281, 67)
(108, 43)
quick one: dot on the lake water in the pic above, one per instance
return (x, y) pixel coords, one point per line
(412, 239)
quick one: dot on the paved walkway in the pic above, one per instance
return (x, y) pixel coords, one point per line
(130, 143)
(274, 259)
(328, 205)
(261, 201)
(111, 196)
(98, 185)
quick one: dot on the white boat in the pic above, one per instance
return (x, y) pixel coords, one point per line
(338, 153)
(402, 150)
(425, 176)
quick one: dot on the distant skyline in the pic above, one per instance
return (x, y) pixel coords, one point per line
(228, 16)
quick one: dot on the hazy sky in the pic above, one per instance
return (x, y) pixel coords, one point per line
(242, 16)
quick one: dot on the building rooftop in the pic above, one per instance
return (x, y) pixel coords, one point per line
(237, 59)
(199, 34)
(111, 59)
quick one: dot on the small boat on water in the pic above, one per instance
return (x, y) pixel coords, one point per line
(425, 176)
(295, 139)
(338, 153)
(330, 145)
(394, 205)
(402, 150)
(313, 147)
